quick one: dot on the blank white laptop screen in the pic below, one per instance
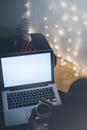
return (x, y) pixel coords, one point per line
(26, 69)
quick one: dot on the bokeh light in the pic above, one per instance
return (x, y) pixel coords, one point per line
(63, 19)
(64, 23)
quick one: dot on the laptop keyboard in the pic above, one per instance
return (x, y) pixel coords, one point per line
(29, 97)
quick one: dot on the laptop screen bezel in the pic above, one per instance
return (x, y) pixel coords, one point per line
(27, 85)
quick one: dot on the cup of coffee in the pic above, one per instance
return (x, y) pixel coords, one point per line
(43, 110)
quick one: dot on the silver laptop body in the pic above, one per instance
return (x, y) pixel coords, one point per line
(22, 72)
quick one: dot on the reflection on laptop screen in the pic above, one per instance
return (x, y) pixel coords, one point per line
(26, 69)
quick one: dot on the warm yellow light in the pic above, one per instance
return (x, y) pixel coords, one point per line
(76, 74)
(74, 68)
(31, 30)
(76, 64)
(63, 63)
(62, 60)
(69, 58)
(59, 55)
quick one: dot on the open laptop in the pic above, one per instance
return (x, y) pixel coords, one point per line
(26, 78)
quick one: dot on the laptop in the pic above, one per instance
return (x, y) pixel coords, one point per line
(26, 79)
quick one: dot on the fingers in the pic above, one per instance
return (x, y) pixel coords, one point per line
(33, 114)
(48, 102)
(34, 121)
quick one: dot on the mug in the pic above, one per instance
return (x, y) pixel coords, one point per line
(43, 110)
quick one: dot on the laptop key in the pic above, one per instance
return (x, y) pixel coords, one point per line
(29, 97)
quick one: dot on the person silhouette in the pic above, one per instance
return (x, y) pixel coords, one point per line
(72, 114)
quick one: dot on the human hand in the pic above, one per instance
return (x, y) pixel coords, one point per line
(35, 122)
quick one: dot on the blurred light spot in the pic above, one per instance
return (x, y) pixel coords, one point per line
(63, 4)
(68, 49)
(85, 23)
(27, 5)
(47, 35)
(56, 26)
(65, 17)
(75, 53)
(55, 40)
(45, 18)
(75, 18)
(57, 47)
(50, 7)
(69, 40)
(31, 30)
(46, 27)
(69, 29)
(76, 74)
(28, 13)
(61, 32)
(78, 33)
(73, 8)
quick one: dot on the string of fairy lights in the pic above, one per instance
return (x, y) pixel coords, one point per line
(63, 24)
